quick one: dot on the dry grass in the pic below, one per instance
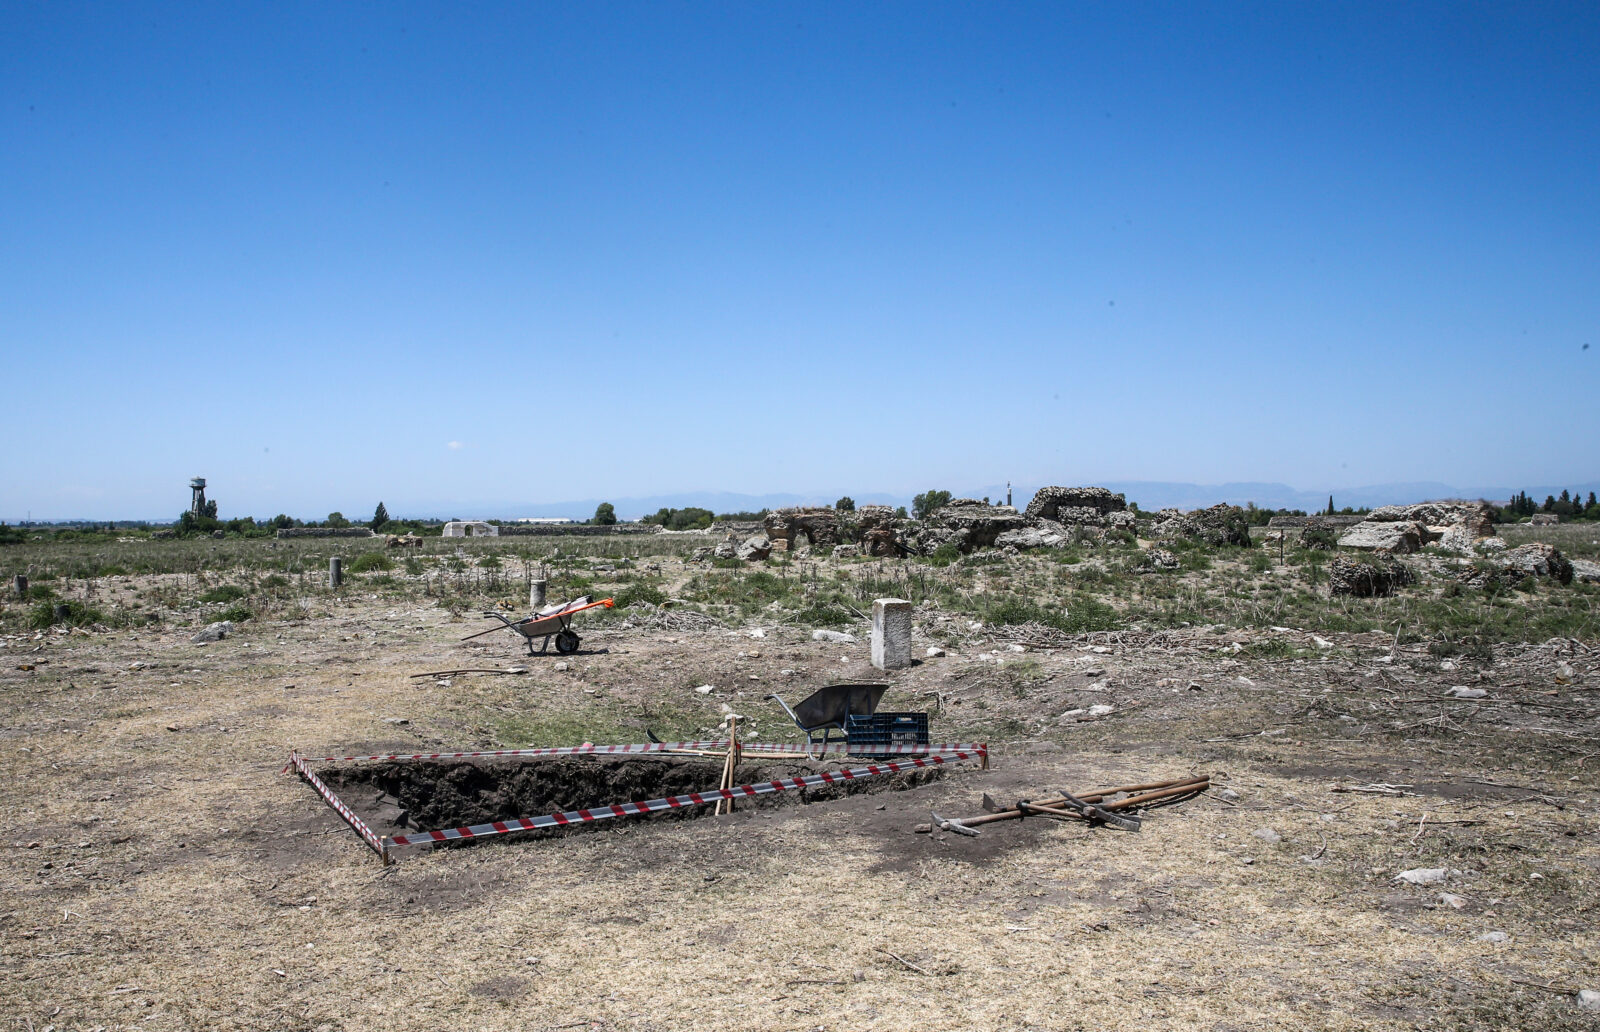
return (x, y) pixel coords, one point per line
(179, 881)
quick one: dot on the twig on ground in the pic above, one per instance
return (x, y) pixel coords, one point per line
(907, 963)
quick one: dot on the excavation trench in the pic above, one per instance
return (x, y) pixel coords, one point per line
(399, 798)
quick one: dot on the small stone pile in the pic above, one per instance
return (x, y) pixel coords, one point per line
(1374, 577)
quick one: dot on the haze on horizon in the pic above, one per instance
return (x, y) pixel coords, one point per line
(325, 256)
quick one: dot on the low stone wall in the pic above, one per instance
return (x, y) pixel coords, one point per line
(325, 532)
(576, 529)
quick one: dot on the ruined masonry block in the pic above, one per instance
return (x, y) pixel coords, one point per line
(891, 633)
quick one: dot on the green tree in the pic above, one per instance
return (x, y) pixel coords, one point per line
(900, 512)
(211, 509)
(845, 504)
(380, 516)
(1330, 506)
(605, 514)
(337, 521)
(928, 502)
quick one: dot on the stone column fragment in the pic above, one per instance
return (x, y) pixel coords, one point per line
(891, 633)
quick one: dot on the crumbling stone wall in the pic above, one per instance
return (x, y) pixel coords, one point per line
(1082, 505)
(1216, 526)
(800, 525)
(968, 524)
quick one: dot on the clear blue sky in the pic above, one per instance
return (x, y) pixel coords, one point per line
(445, 255)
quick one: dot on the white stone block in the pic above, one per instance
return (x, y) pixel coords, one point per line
(891, 633)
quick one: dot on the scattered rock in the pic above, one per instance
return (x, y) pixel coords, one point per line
(1102, 709)
(1450, 899)
(705, 689)
(1492, 544)
(1461, 691)
(935, 651)
(1589, 999)
(1267, 835)
(1494, 937)
(213, 632)
(754, 548)
(563, 666)
(1585, 571)
(837, 637)
(846, 551)
(1229, 794)
(1423, 876)
(1537, 559)
(1159, 559)
(396, 720)
(1029, 537)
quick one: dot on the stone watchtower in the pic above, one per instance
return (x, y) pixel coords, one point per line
(197, 504)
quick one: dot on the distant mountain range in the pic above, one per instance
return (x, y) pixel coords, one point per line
(1149, 494)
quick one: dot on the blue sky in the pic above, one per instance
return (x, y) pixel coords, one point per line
(456, 256)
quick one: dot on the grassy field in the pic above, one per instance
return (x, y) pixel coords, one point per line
(163, 874)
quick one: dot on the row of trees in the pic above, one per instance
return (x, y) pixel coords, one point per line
(1570, 506)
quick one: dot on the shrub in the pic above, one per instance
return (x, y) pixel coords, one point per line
(275, 580)
(824, 614)
(639, 593)
(236, 613)
(1319, 538)
(43, 615)
(367, 562)
(224, 593)
(113, 571)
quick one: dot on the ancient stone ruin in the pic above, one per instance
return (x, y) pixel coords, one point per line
(1406, 528)
(797, 526)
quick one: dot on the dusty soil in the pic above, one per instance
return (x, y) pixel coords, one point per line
(162, 873)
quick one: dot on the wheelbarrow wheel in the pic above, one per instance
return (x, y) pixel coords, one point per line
(567, 642)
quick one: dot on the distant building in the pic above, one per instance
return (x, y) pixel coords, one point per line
(543, 519)
(1544, 519)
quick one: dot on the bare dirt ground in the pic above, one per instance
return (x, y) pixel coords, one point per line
(163, 874)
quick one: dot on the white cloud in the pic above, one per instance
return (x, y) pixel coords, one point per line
(455, 446)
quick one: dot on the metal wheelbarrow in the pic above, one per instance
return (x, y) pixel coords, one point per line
(550, 622)
(827, 709)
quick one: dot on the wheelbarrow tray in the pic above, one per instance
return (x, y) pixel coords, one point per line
(551, 619)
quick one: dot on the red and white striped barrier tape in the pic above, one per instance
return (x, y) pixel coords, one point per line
(834, 749)
(600, 813)
(299, 764)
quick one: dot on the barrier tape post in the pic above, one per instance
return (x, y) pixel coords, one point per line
(379, 845)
